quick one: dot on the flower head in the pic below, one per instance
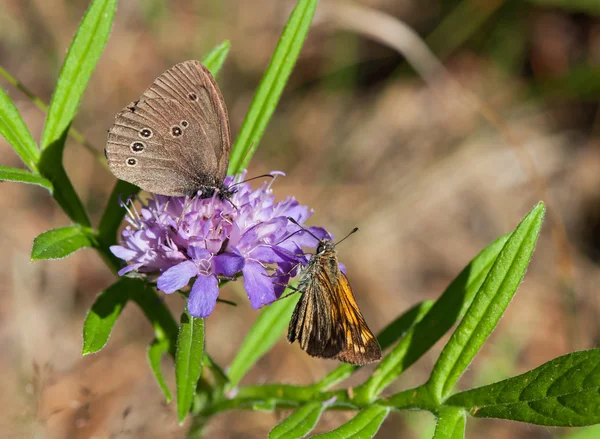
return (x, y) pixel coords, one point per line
(183, 238)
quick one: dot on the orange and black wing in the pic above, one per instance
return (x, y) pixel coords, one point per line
(361, 346)
(327, 321)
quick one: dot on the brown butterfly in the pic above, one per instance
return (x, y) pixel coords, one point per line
(174, 140)
(327, 321)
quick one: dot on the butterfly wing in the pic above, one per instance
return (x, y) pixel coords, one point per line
(314, 321)
(361, 346)
(327, 321)
(191, 84)
(175, 139)
(149, 147)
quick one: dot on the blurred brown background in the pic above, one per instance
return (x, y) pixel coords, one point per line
(365, 142)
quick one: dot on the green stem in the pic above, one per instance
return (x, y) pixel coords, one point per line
(289, 397)
(280, 397)
(415, 398)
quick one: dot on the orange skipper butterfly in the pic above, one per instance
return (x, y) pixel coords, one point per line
(327, 321)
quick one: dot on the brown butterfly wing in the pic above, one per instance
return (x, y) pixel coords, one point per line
(314, 319)
(143, 149)
(361, 345)
(162, 162)
(327, 321)
(191, 84)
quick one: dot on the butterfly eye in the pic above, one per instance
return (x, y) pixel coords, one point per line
(193, 96)
(146, 133)
(184, 123)
(137, 147)
(131, 161)
(176, 131)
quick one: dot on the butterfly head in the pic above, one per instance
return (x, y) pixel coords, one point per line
(325, 245)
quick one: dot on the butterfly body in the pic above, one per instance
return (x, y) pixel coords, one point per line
(175, 139)
(327, 321)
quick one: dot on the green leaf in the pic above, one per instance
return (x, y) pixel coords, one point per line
(156, 350)
(16, 133)
(188, 362)
(451, 423)
(22, 176)
(388, 336)
(266, 330)
(488, 306)
(562, 392)
(77, 69)
(586, 6)
(365, 425)
(299, 423)
(103, 314)
(446, 311)
(51, 167)
(215, 59)
(272, 84)
(584, 433)
(60, 243)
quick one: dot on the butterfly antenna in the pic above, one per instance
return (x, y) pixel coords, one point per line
(253, 178)
(303, 228)
(353, 231)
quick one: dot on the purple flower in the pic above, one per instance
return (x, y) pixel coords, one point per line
(182, 238)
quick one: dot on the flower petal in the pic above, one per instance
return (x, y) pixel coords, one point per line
(129, 268)
(203, 296)
(228, 264)
(197, 252)
(259, 286)
(270, 255)
(176, 277)
(122, 252)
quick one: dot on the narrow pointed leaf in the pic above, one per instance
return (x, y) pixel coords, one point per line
(215, 59)
(488, 306)
(451, 423)
(60, 243)
(51, 167)
(272, 84)
(562, 392)
(188, 362)
(16, 133)
(388, 336)
(446, 311)
(22, 176)
(299, 423)
(365, 425)
(104, 313)
(156, 350)
(81, 59)
(267, 329)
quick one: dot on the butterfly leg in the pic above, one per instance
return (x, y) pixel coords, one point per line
(291, 287)
(283, 274)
